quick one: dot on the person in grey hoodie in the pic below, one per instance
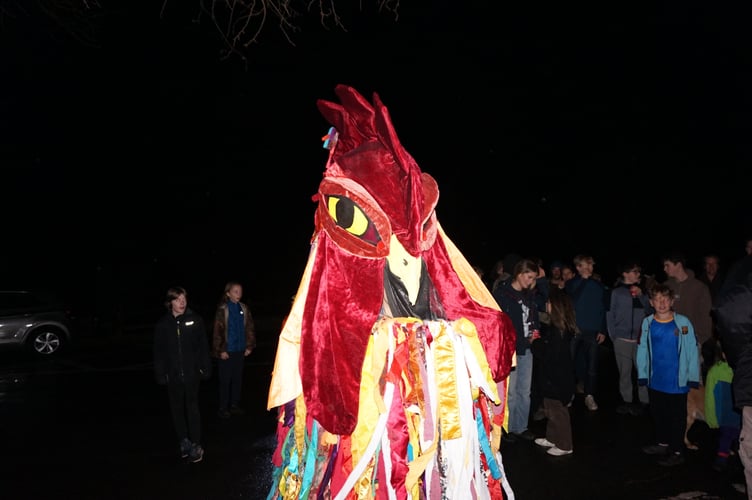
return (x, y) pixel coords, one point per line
(628, 306)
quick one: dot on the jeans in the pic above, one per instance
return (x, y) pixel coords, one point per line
(520, 384)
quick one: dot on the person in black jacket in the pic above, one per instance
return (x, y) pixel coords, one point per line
(181, 361)
(733, 315)
(556, 378)
(516, 298)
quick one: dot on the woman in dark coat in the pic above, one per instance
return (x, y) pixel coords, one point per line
(556, 375)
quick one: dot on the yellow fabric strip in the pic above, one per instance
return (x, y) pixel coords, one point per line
(301, 414)
(417, 467)
(368, 411)
(446, 381)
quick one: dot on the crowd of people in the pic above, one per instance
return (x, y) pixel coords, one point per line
(668, 338)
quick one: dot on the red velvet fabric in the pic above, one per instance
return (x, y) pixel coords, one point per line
(370, 171)
(369, 152)
(396, 428)
(343, 303)
(495, 329)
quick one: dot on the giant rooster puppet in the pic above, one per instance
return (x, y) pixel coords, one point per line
(390, 373)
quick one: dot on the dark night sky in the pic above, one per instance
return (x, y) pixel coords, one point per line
(128, 166)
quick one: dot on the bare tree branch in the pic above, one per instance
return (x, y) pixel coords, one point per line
(238, 23)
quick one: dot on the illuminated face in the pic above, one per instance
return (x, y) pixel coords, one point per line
(526, 280)
(662, 304)
(585, 268)
(179, 304)
(671, 269)
(235, 293)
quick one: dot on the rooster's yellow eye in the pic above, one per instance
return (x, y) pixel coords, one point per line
(350, 217)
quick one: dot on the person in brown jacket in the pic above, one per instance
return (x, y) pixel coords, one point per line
(233, 339)
(691, 298)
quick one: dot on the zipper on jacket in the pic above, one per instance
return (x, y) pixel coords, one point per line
(180, 352)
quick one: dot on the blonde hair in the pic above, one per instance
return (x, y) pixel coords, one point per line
(228, 287)
(582, 258)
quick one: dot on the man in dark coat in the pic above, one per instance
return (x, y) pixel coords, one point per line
(733, 314)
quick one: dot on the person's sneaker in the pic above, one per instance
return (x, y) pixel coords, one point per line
(655, 449)
(185, 447)
(544, 442)
(590, 402)
(236, 410)
(672, 459)
(224, 413)
(558, 452)
(197, 453)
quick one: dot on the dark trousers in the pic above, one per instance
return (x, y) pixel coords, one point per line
(669, 413)
(585, 356)
(727, 438)
(558, 425)
(230, 379)
(185, 410)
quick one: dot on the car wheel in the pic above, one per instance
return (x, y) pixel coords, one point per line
(46, 341)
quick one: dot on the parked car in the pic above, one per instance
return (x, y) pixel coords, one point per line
(32, 321)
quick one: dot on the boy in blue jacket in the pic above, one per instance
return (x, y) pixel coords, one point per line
(667, 362)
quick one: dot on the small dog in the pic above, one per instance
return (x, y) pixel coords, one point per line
(695, 411)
